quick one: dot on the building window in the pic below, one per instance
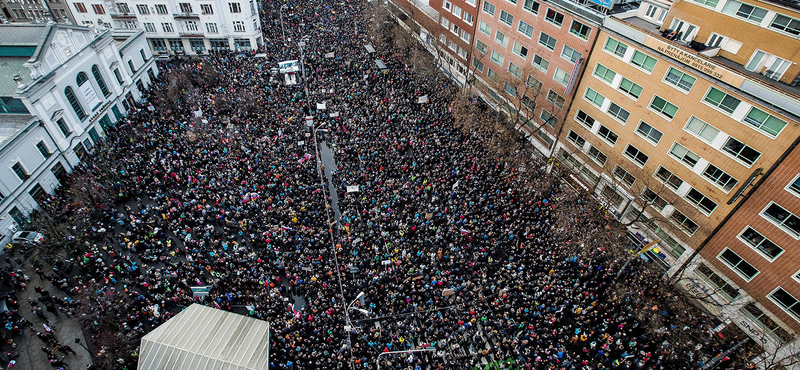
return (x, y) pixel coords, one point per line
(466, 37)
(701, 129)
(618, 112)
(510, 89)
(794, 186)
(488, 8)
(684, 155)
(501, 38)
(506, 18)
(679, 79)
(531, 6)
(585, 119)
(547, 41)
(73, 101)
(581, 30)
(764, 246)
(728, 290)
(576, 139)
(219, 44)
(623, 176)
(525, 29)
(606, 134)
(701, 201)
(554, 17)
(480, 46)
(149, 27)
(81, 78)
(520, 50)
(721, 100)
(561, 76)
(594, 97)
(98, 9)
(596, 155)
(482, 26)
(746, 11)
(447, 5)
(185, 8)
(167, 27)
(719, 177)
(191, 26)
(548, 118)
(783, 218)
(765, 122)
(143, 10)
(238, 26)
(492, 75)
(664, 107)
(685, 223)
(738, 264)
(741, 151)
(649, 132)
(20, 171)
(211, 27)
(100, 81)
(131, 66)
(534, 84)
(62, 126)
(80, 7)
(161, 9)
(555, 99)
(197, 45)
(570, 54)
(235, 7)
(615, 47)
(786, 24)
(12, 105)
(206, 9)
(477, 64)
(668, 178)
(636, 155)
(653, 199)
(458, 12)
(709, 3)
(17, 216)
(515, 70)
(540, 62)
(644, 61)
(123, 8)
(630, 87)
(469, 18)
(604, 73)
(497, 58)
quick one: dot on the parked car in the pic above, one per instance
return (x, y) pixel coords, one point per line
(28, 237)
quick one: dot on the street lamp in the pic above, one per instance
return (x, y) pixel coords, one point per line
(280, 11)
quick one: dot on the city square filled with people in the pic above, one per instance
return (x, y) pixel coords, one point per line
(462, 258)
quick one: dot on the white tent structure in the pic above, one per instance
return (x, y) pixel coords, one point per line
(202, 337)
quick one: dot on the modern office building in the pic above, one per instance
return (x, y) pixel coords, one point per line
(64, 86)
(533, 53)
(37, 11)
(174, 27)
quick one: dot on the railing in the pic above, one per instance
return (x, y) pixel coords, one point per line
(186, 15)
(580, 10)
(122, 15)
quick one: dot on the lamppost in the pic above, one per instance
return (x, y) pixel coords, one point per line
(280, 11)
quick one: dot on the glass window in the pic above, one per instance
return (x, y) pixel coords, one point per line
(533, 83)
(765, 122)
(738, 264)
(506, 17)
(20, 171)
(554, 17)
(540, 62)
(547, 41)
(98, 77)
(480, 46)
(597, 155)
(501, 38)
(515, 70)
(576, 139)
(570, 54)
(615, 47)
(703, 130)
(488, 8)
(668, 178)
(684, 155)
(653, 199)
(755, 240)
(531, 6)
(73, 101)
(787, 220)
(795, 185)
(745, 11)
(741, 151)
(585, 119)
(556, 99)
(62, 126)
(664, 107)
(643, 60)
(679, 79)
(630, 87)
(685, 223)
(581, 30)
(719, 177)
(604, 73)
(520, 50)
(618, 112)
(525, 29)
(700, 201)
(606, 134)
(561, 76)
(636, 155)
(623, 176)
(497, 58)
(710, 3)
(786, 24)
(510, 89)
(492, 75)
(786, 301)
(648, 132)
(477, 64)
(43, 150)
(594, 97)
(722, 100)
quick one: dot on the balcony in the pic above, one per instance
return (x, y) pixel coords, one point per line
(115, 15)
(191, 34)
(186, 16)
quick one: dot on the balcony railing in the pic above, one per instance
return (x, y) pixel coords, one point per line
(186, 15)
(116, 15)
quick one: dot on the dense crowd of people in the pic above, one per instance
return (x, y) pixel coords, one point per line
(456, 254)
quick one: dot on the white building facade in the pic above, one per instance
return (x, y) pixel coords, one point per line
(183, 27)
(79, 83)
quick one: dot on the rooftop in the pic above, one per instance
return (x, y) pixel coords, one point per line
(17, 34)
(11, 124)
(9, 66)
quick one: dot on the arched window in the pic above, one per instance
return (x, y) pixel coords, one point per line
(73, 101)
(81, 79)
(100, 81)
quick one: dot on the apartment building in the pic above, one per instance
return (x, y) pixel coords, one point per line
(535, 52)
(65, 86)
(456, 31)
(179, 27)
(37, 11)
(672, 134)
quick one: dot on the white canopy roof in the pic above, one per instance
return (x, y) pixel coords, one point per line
(202, 337)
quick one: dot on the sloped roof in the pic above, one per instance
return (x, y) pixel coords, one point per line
(202, 337)
(22, 34)
(11, 124)
(9, 66)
